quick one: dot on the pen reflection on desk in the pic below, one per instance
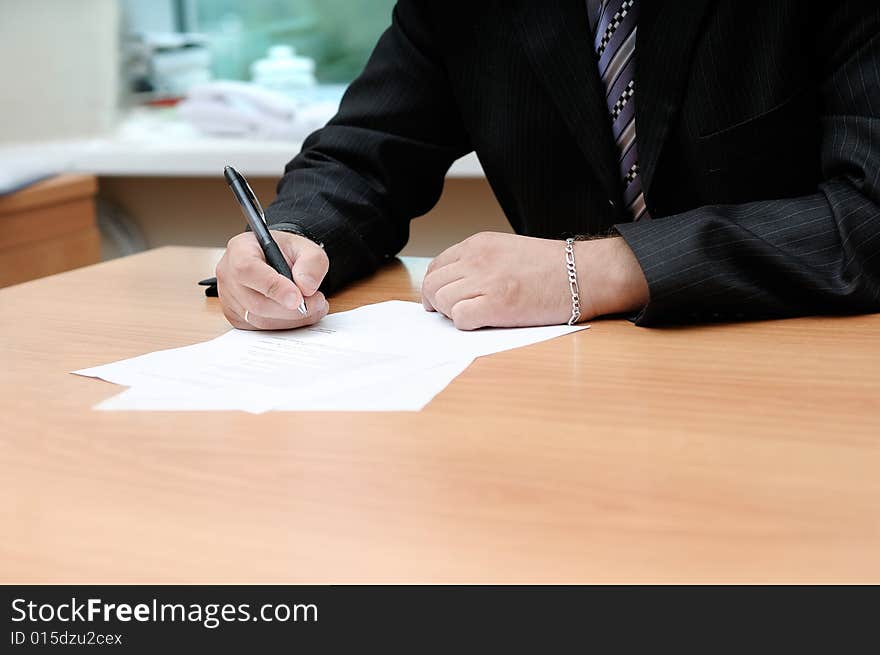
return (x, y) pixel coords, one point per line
(256, 219)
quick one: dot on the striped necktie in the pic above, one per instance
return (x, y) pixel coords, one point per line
(615, 43)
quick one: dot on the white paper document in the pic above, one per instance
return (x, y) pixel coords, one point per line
(391, 356)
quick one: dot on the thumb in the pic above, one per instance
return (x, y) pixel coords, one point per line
(308, 262)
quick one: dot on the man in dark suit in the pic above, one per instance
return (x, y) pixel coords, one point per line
(714, 159)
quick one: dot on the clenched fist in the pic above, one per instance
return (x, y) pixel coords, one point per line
(506, 280)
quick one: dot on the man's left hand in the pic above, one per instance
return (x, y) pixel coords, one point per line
(506, 280)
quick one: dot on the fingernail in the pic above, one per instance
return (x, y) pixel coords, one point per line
(292, 301)
(308, 282)
(302, 308)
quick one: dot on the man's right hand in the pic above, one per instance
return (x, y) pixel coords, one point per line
(249, 287)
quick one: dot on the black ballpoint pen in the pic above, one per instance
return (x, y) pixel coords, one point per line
(253, 214)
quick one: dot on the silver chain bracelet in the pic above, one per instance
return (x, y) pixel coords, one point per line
(572, 282)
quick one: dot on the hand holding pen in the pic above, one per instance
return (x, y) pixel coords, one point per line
(269, 280)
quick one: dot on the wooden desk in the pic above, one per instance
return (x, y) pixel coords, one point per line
(732, 453)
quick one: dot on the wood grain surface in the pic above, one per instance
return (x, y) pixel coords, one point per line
(48, 227)
(724, 453)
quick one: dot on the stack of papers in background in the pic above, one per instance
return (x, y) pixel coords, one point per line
(391, 356)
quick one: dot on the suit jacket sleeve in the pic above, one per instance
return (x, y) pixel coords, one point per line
(382, 160)
(807, 255)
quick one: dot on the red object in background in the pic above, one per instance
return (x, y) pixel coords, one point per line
(164, 102)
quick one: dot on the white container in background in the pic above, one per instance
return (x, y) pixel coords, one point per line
(282, 70)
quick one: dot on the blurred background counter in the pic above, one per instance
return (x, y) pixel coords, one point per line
(122, 90)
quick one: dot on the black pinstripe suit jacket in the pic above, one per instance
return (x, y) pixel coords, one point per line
(759, 137)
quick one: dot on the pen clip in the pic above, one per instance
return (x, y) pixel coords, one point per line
(253, 196)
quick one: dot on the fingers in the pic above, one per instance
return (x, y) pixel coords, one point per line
(256, 274)
(436, 280)
(470, 313)
(448, 256)
(447, 296)
(309, 261)
(318, 308)
(244, 318)
(244, 264)
(448, 289)
(260, 323)
(259, 305)
(450, 292)
(234, 313)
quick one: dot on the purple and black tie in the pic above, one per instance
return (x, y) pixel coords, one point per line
(615, 43)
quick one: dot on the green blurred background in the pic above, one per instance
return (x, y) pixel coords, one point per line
(338, 34)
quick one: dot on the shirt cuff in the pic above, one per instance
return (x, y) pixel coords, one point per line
(295, 228)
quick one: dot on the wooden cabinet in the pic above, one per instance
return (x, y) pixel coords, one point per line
(48, 228)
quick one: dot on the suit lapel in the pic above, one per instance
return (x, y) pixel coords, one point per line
(668, 32)
(557, 39)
